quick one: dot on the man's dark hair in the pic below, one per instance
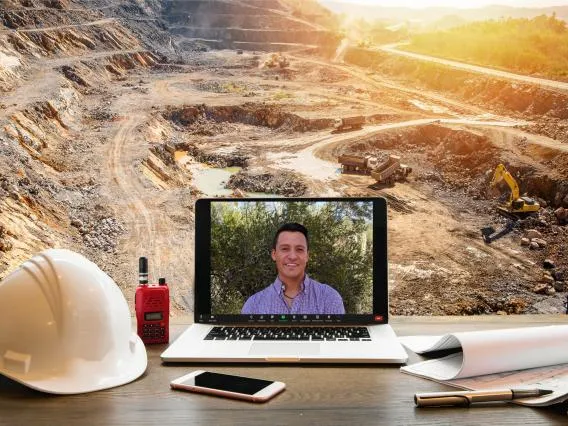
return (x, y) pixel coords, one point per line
(291, 227)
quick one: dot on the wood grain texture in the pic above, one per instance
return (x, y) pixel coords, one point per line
(315, 394)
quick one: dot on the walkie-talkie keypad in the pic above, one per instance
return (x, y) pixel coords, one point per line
(153, 331)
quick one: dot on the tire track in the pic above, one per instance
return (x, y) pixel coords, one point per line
(122, 169)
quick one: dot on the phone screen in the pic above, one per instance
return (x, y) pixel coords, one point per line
(227, 382)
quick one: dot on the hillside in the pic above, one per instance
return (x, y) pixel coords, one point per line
(537, 46)
(178, 27)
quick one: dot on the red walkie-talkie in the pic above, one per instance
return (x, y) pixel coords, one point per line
(152, 305)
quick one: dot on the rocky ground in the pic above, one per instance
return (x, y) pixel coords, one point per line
(105, 131)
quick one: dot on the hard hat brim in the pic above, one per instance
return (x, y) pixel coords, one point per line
(85, 376)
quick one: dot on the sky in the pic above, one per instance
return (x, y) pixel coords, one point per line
(462, 4)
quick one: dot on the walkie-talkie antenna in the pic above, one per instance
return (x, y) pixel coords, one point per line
(143, 271)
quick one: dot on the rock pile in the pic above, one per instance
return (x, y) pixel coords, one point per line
(282, 183)
(21, 185)
(100, 234)
(553, 279)
(216, 86)
(533, 239)
(216, 159)
(550, 127)
(5, 245)
(277, 60)
(207, 127)
(102, 114)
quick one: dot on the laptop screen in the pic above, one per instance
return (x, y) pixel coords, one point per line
(289, 260)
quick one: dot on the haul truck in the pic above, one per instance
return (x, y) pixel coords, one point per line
(390, 171)
(349, 123)
(357, 164)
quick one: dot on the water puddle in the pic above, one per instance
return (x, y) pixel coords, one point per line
(211, 181)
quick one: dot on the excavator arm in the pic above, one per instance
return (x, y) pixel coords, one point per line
(517, 205)
(501, 174)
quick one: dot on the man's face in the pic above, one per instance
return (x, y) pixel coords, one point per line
(290, 255)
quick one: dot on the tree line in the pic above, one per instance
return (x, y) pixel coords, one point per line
(537, 46)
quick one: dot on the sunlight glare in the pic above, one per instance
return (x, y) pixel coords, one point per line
(464, 4)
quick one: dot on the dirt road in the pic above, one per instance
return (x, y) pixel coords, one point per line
(157, 221)
(375, 80)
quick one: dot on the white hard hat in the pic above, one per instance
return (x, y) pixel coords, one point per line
(66, 327)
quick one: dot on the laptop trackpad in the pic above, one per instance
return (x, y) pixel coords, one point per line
(285, 349)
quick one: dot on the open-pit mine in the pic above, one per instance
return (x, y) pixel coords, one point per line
(115, 116)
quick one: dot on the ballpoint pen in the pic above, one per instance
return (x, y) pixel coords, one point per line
(465, 398)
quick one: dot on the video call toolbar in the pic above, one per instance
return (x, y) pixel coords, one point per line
(290, 318)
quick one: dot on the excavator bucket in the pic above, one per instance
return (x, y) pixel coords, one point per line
(489, 233)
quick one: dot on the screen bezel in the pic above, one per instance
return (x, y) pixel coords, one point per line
(202, 313)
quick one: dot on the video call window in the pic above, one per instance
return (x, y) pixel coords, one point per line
(339, 255)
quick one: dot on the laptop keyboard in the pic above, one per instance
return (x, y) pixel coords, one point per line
(290, 333)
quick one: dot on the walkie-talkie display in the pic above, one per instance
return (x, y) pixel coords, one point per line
(152, 305)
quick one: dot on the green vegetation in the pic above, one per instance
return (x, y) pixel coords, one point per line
(527, 46)
(340, 249)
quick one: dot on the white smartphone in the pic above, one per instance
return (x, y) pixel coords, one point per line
(256, 390)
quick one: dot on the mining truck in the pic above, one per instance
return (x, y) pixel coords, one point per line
(349, 123)
(357, 164)
(390, 171)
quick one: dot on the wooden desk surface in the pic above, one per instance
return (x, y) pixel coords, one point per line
(322, 394)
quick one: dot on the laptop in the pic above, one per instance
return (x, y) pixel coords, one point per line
(290, 280)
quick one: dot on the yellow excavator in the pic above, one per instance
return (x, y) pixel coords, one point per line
(515, 208)
(516, 205)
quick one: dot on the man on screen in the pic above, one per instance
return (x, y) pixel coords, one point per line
(293, 291)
